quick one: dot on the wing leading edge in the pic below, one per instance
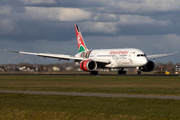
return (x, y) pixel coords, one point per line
(61, 56)
(152, 57)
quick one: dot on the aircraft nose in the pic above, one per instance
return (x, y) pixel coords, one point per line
(144, 61)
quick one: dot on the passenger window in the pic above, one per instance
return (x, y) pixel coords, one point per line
(138, 55)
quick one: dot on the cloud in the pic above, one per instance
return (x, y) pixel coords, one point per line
(58, 14)
(145, 6)
(104, 17)
(100, 27)
(139, 20)
(73, 14)
(5, 9)
(7, 26)
(38, 1)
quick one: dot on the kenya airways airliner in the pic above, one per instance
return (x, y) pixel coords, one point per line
(119, 59)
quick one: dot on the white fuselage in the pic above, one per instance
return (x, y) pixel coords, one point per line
(120, 58)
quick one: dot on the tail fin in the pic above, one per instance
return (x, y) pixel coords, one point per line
(81, 44)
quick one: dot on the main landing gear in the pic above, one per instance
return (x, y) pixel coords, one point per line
(138, 72)
(121, 71)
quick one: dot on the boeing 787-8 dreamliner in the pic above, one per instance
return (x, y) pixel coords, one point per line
(119, 59)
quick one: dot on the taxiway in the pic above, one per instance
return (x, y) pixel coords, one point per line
(94, 94)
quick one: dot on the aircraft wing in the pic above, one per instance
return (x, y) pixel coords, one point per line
(61, 56)
(152, 57)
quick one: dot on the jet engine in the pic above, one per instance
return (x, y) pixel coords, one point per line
(88, 65)
(148, 67)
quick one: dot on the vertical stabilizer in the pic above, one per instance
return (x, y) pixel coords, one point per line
(81, 44)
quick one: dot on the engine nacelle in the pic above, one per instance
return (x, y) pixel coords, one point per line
(148, 67)
(88, 65)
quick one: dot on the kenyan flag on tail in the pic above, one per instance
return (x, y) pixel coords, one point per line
(81, 44)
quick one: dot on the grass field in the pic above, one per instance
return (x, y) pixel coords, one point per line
(93, 84)
(22, 106)
(38, 107)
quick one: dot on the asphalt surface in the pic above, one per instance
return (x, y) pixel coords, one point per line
(172, 75)
(93, 94)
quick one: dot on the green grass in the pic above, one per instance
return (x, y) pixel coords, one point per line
(93, 84)
(22, 106)
(54, 107)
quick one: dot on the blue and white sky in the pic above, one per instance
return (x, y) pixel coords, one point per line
(48, 26)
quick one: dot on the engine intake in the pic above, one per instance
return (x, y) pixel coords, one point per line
(148, 67)
(88, 65)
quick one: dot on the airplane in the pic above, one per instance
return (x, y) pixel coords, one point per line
(119, 59)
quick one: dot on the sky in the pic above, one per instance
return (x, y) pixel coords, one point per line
(47, 26)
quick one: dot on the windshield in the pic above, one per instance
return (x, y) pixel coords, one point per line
(141, 55)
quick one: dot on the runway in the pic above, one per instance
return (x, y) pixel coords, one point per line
(172, 75)
(93, 94)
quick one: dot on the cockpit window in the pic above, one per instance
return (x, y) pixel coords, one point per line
(138, 55)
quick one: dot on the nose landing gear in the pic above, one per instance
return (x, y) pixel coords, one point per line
(138, 71)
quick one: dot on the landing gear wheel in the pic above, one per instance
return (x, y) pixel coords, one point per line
(94, 73)
(121, 72)
(138, 72)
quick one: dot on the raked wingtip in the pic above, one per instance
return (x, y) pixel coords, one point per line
(12, 51)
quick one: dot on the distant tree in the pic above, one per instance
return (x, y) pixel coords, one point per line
(170, 64)
(24, 64)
